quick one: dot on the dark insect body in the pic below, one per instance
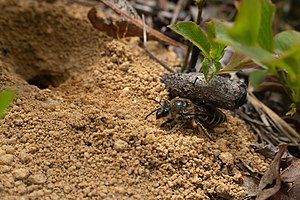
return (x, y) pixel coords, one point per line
(209, 116)
(221, 92)
(193, 99)
(182, 111)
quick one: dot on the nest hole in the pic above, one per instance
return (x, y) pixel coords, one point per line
(53, 46)
(46, 80)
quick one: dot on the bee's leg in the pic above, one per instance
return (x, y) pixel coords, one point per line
(176, 127)
(169, 121)
(201, 128)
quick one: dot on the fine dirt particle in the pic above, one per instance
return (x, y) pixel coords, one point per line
(85, 135)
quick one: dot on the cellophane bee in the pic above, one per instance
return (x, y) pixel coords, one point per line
(181, 111)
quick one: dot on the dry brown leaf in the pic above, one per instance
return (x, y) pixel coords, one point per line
(284, 127)
(127, 26)
(270, 183)
(291, 176)
(250, 185)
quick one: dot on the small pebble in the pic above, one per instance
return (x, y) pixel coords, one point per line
(20, 173)
(18, 122)
(37, 179)
(125, 66)
(24, 157)
(36, 194)
(5, 169)
(120, 145)
(11, 141)
(6, 159)
(10, 149)
(2, 152)
(126, 90)
(226, 158)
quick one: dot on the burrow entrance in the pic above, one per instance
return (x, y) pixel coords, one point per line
(46, 47)
(45, 80)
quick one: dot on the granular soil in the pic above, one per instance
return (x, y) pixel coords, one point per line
(77, 128)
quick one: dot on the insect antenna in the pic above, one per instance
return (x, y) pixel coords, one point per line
(159, 102)
(151, 112)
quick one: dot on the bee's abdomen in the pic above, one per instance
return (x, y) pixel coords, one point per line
(211, 117)
(217, 119)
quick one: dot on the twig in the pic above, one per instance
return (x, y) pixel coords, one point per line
(187, 57)
(194, 58)
(242, 165)
(247, 118)
(84, 2)
(264, 119)
(263, 137)
(144, 32)
(166, 66)
(136, 25)
(284, 127)
(180, 5)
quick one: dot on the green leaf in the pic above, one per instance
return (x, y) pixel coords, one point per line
(257, 77)
(193, 33)
(289, 61)
(217, 49)
(251, 35)
(265, 36)
(292, 111)
(238, 62)
(247, 23)
(211, 31)
(210, 68)
(286, 40)
(218, 67)
(205, 67)
(253, 26)
(6, 98)
(258, 54)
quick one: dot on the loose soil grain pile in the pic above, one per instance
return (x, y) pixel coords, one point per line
(81, 133)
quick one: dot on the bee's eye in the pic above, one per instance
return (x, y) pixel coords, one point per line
(180, 104)
(163, 111)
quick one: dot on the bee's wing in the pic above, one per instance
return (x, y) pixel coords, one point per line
(209, 115)
(201, 113)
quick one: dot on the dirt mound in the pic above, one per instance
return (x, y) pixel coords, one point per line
(82, 132)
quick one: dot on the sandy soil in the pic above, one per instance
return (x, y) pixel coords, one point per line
(85, 136)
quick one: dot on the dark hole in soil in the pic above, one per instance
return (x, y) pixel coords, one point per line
(52, 46)
(88, 144)
(45, 80)
(5, 51)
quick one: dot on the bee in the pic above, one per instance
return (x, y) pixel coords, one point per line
(181, 111)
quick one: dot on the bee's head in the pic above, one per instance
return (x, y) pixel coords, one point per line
(164, 110)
